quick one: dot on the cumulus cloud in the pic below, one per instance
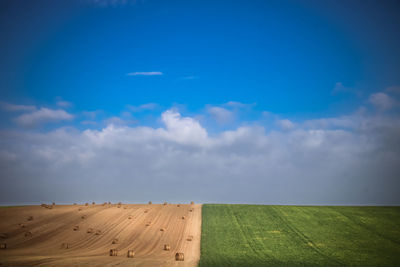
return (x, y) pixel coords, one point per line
(11, 107)
(180, 162)
(382, 101)
(144, 73)
(43, 115)
(221, 115)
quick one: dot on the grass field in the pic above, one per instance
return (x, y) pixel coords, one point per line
(255, 235)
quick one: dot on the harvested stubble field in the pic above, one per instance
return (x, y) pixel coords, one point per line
(54, 242)
(256, 235)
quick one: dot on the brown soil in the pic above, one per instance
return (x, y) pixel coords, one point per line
(52, 228)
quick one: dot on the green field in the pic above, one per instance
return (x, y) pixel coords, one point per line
(255, 235)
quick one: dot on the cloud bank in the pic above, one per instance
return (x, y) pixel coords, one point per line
(353, 159)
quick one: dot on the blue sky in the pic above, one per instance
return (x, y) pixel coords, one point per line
(279, 66)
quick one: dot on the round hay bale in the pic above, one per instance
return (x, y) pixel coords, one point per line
(165, 203)
(146, 211)
(86, 204)
(148, 223)
(115, 241)
(190, 238)
(98, 232)
(83, 217)
(76, 228)
(3, 246)
(163, 230)
(130, 254)
(183, 217)
(179, 256)
(191, 210)
(130, 217)
(28, 234)
(89, 230)
(124, 208)
(3, 236)
(150, 203)
(192, 202)
(30, 218)
(119, 203)
(64, 245)
(167, 247)
(178, 205)
(113, 252)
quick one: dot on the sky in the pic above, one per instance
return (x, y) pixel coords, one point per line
(264, 102)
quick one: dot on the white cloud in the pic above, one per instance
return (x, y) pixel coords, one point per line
(382, 101)
(286, 124)
(12, 107)
(64, 104)
(144, 73)
(180, 161)
(221, 115)
(143, 107)
(340, 88)
(393, 89)
(43, 115)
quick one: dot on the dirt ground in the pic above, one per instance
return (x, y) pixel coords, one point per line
(50, 228)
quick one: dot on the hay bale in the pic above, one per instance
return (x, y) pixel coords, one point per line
(165, 203)
(109, 202)
(183, 217)
(98, 232)
(75, 204)
(178, 205)
(119, 203)
(89, 230)
(65, 246)
(83, 217)
(150, 203)
(76, 228)
(146, 211)
(80, 209)
(113, 252)
(192, 203)
(93, 203)
(30, 218)
(148, 223)
(130, 217)
(124, 208)
(28, 234)
(130, 254)
(86, 204)
(167, 247)
(190, 238)
(105, 203)
(3, 246)
(3, 236)
(191, 210)
(163, 230)
(115, 241)
(179, 256)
